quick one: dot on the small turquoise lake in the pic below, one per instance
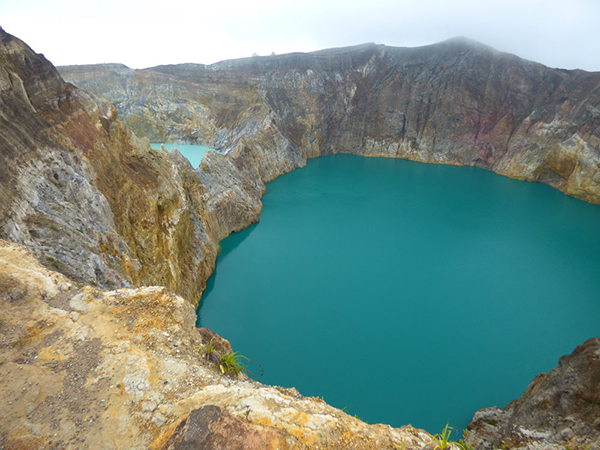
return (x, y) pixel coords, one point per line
(408, 292)
(194, 153)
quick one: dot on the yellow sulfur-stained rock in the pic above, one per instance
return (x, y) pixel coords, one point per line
(131, 372)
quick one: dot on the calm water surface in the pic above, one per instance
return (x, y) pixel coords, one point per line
(194, 153)
(406, 292)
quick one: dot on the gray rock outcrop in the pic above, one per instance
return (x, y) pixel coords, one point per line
(560, 409)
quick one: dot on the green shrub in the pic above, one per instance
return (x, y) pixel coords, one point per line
(230, 363)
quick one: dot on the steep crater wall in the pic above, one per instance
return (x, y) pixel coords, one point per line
(89, 367)
(457, 102)
(89, 199)
(85, 195)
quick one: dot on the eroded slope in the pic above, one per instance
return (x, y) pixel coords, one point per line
(457, 102)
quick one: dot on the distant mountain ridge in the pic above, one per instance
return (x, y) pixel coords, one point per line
(456, 102)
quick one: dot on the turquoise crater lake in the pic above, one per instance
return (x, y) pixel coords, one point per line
(406, 292)
(194, 153)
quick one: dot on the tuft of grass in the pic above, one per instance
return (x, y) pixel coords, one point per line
(231, 363)
(211, 353)
(443, 439)
(53, 262)
(462, 443)
(402, 446)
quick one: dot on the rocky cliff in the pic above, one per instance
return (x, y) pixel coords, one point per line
(559, 409)
(86, 196)
(86, 367)
(457, 102)
(83, 366)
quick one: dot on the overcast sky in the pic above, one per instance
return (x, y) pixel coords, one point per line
(144, 33)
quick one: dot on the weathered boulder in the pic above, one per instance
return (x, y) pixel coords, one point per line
(210, 427)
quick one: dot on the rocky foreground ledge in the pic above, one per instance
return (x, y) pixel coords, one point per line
(84, 368)
(128, 369)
